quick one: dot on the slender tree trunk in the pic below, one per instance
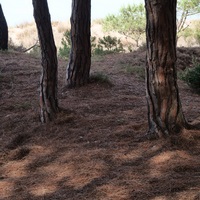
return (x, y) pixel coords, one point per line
(3, 31)
(165, 114)
(80, 55)
(48, 82)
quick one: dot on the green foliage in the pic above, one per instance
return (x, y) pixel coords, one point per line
(93, 42)
(99, 77)
(197, 37)
(130, 21)
(196, 32)
(185, 9)
(105, 45)
(187, 33)
(22, 106)
(64, 51)
(192, 7)
(36, 51)
(95, 49)
(192, 76)
(99, 51)
(137, 70)
(110, 44)
(191, 34)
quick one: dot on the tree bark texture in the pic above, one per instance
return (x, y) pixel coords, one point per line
(48, 81)
(165, 114)
(3, 31)
(80, 55)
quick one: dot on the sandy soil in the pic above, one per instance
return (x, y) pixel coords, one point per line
(94, 150)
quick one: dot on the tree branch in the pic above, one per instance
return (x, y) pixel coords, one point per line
(36, 44)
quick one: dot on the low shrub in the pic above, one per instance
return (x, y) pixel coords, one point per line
(99, 77)
(35, 51)
(103, 46)
(192, 76)
(110, 44)
(64, 50)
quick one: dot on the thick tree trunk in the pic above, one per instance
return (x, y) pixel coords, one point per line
(48, 82)
(3, 31)
(80, 55)
(164, 107)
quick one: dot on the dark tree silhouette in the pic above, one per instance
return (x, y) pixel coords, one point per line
(3, 31)
(165, 113)
(80, 55)
(48, 82)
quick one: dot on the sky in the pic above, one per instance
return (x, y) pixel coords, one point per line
(21, 11)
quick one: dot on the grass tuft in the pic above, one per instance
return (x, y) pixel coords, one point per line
(99, 77)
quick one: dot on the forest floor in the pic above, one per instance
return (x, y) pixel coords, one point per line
(95, 149)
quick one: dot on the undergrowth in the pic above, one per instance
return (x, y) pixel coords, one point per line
(100, 78)
(192, 76)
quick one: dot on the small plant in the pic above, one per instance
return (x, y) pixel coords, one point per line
(35, 51)
(22, 106)
(105, 45)
(93, 44)
(197, 32)
(192, 76)
(100, 78)
(64, 51)
(138, 70)
(99, 50)
(110, 44)
(192, 34)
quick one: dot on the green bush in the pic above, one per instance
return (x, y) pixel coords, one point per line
(137, 70)
(93, 43)
(197, 31)
(105, 45)
(110, 44)
(35, 51)
(130, 22)
(99, 77)
(192, 76)
(99, 51)
(64, 50)
(192, 34)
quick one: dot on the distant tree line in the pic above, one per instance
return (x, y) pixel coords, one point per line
(131, 20)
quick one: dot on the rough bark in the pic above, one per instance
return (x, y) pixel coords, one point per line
(80, 55)
(48, 81)
(165, 115)
(3, 31)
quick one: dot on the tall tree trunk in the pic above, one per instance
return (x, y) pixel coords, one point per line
(48, 81)
(3, 31)
(165, 114)
(80, 55)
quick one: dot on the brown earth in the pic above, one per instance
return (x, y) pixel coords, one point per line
(94, 150)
